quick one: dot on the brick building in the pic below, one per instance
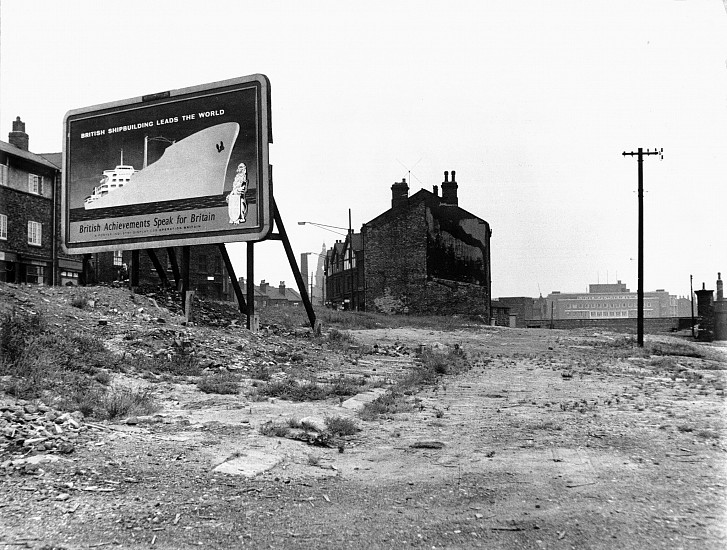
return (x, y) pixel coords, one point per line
(427, 255)
(523, 309)
(344, 268)
(207, 273)
(30, 239)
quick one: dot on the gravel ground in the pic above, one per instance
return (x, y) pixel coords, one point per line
(551, 440)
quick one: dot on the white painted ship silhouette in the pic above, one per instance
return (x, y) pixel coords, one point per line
(111, 181)
(192, 167)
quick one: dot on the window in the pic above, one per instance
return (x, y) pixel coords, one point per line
(35, 233)
(4, 174)
(34, 274)
(118, 258)
(3, 227)
(35, 184)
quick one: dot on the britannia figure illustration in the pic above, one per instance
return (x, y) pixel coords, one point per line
(236, 202)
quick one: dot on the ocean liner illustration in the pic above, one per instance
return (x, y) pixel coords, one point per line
(192, 167)
(111, 181)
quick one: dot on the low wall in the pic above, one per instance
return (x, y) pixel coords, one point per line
(628, 326)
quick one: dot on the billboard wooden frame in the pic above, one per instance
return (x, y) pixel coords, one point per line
(201, 136)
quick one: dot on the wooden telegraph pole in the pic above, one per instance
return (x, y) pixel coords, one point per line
(640, 153)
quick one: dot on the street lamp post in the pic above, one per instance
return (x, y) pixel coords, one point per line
(326, 227)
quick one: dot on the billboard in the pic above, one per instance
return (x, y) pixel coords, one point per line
(183, 167)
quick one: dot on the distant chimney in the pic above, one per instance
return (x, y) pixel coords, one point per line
(399, 193)
(720, 288)
(281, 288)
(449, 189)
(263, 287)
(435, 190)
(304, 265)
(18, 137)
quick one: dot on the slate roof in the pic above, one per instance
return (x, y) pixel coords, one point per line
(434, 202)
(27, 155)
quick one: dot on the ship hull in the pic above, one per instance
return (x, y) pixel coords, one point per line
(192, 167)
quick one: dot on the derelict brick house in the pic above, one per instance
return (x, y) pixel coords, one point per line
(427, 255)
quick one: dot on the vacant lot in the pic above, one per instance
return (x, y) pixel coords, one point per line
(205, 435)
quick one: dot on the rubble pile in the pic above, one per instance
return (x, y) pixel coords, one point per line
(27, 429)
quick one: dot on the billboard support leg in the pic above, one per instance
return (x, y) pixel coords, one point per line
(134, 275)
(294, 266)
(158, 266)
(185, 273)
(172, 254)
(233, 279)
(250, 285)
(85, 271)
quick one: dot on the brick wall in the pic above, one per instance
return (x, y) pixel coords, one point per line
(395, 251)
(452, 297)
(653, 325)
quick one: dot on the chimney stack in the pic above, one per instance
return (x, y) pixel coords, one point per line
(435, 190)
(18, 137)
(720, 288)
(399, 193)
(281, 288)
(449, 189)
(263, 287)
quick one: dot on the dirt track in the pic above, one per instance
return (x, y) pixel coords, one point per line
(552, 440)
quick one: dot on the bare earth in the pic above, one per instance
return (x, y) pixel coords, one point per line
(553, 439)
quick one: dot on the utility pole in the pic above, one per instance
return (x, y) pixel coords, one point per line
(691, 301)
(640, 153)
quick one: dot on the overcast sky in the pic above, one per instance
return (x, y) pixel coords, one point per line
(530, 102)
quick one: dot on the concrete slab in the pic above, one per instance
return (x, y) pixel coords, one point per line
(249, 463)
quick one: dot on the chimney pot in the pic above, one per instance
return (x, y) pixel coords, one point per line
(435, 190)
(449, 189)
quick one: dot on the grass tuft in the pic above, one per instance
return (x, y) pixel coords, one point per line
(221, 383)
(292, 390)
(340, 425)
(271, 429)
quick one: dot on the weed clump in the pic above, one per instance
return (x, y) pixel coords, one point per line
(346, 386)
(340, 425)
(79, 301)
(66, 370)
(120, 402)
(392, 402)
(271, 429)
(433, 366)
(221, 383)
(340, 340)
(176, 364)
(292, 390)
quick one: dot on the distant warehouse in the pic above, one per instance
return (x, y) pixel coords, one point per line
(610, 301)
